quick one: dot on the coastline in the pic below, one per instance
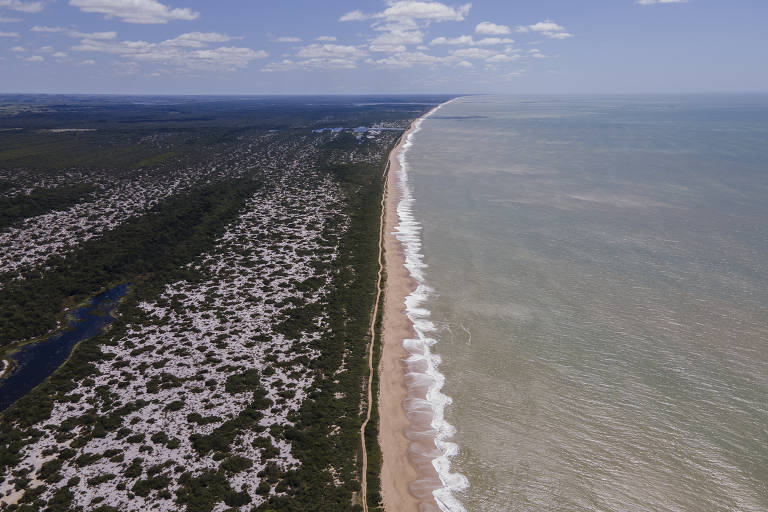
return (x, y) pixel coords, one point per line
(408, 476)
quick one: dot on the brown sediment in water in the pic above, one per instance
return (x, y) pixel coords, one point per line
(406, 437)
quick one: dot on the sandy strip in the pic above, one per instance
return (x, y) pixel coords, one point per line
(399, 470)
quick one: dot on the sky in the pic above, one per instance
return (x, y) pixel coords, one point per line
(379, 46)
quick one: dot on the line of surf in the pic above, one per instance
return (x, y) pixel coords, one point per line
(422, 363)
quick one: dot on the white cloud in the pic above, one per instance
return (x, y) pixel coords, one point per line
(188, 51)
(469, 41)
(409, 60)
(326, 38)
(46, 49)
(536, 54)
(198, 39)
(401, 23)
(652, 2)
(287, 39)
(501, 58)
(135, 11)
(8, 34)
(413, 10)
(546, 28)
(74, 33)
(473, 53)
(329, 50)
(92, 35)
(3, 19)
(34, 58)
(355, 15)
(492, 29)
(321, 56)
(18, 49)
(59, 55)
(330, 56)
(38, 28)
(19, 5)
(491, 41)
(395, 40)
(431, 11)
(461, 40)
(88, 62)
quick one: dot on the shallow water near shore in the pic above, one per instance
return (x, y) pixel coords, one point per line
(34, 362)
(597, 280)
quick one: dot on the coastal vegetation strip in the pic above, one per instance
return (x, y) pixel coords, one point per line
(372, 346)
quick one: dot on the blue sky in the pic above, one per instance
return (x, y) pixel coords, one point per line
(337, 47)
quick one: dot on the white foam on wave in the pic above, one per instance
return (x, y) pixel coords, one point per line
(408, 232)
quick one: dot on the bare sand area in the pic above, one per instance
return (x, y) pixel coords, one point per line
(407, 479)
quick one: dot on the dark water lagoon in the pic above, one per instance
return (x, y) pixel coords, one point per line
(34, 362)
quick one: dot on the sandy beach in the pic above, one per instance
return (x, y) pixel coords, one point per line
(407, 481)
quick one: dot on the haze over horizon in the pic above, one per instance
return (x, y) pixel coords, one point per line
(375, 47)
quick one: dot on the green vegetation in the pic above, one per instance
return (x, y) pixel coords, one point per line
(159, 243)
(39, 201)
(164, 245)
(351, 304)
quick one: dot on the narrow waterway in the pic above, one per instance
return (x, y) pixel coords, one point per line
(34, 362)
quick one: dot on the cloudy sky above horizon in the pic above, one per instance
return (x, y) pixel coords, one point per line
(378, 46)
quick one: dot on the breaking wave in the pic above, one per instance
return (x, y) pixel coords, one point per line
(422, 362)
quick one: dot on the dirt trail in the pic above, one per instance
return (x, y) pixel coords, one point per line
(364, 476)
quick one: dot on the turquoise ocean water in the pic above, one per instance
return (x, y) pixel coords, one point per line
(595, 284)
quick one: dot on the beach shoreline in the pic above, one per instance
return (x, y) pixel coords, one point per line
(407, 475)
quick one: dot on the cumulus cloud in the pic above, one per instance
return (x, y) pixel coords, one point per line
(356, 15)
(288, 39)
(8, 34)
(395, 40)
(536, 54)
(652, 2)
(409, 60)
(492, 29)
(34, 58)
(330, 56)
(491, 41)
(326, 38)
(401, 24)
(470, 41)
(413, 10)
(198, 39)
(21, 6)
(190, 51)
(501, 58)
(329, 50)
(460, 58)
(460, 40)
(74, 33)
(38, 28)
(92, 35)
(3, 19)
(546, 28)
(135, 11)
(320, 56)
(473, 53)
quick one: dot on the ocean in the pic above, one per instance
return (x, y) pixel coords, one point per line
(593, 299)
